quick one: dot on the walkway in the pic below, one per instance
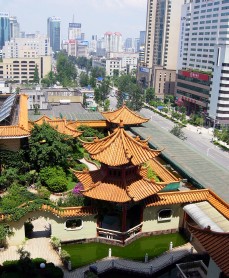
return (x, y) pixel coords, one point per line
(150, 267)
(91, 166)
(38, 248)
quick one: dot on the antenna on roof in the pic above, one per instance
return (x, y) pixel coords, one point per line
(73, 18)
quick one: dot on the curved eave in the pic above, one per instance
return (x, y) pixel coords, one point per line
(120, 148)
(97, 186)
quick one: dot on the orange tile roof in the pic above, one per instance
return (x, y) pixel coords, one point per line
(60, 212)
(124, 114)
(22, 128)
(182, 197)
(90, 123)
(99, 185)
(216, 244)
(161, 171)
(60, 125)
(120, 148)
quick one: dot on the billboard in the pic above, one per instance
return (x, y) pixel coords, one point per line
(141, 69)
(74, 25)
(197, 75)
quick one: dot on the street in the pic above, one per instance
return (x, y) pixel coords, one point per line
(200, 142)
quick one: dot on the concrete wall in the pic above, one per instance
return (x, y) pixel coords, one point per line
(57, 227)
(151, 223)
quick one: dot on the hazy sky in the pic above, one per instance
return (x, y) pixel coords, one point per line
(96, 16)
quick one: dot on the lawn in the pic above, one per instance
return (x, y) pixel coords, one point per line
(83, 254)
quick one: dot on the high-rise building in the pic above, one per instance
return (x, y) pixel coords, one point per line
(203, 48)
(14, 28)
(4, 28)
(161, 43)
(53, 32)
(128, 44)
(74, 31)
(162, 36)
(142, 38)
(113, 42)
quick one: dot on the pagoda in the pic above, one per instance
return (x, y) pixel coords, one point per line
(125, 115)
(121, 183)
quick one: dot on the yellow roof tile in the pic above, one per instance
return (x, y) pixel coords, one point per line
(124, 114)
(120, 148)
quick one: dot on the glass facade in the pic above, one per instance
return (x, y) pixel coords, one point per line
(4, 29)
(54, 33)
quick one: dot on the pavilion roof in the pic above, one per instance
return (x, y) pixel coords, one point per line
(124, 114)
(99, 185)
(120, 148)
(21, 129)
(189, 196)
(216, 244)
(60, 125)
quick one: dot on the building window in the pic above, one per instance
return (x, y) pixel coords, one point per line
(73, 224)
(164, 215)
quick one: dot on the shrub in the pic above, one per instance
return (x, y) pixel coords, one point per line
(28, 228)
(38, 261)
(54, 178)
(55, 242)
(65, 257)
(57, 184)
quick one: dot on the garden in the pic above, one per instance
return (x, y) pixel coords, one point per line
(83, 254)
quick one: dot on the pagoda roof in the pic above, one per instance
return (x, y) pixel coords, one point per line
(216, 244)
(99, 185)
(60, 125)
(120, 148)
(21, 129)
(124, 114)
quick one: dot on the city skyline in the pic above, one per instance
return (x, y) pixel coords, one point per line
(125, 16)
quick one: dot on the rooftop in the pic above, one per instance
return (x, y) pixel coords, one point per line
(120, 148)
(124, 114)
(201, 170)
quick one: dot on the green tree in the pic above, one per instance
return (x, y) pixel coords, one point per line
(49, 80)
(150, 94)
(106, 104)
(66, 70)
(4, 232)
(135, 101)
(83, 79)
(102, 91)
(48, 147)
(178, 132)
(36, 78)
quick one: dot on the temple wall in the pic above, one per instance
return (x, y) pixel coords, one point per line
(58, 230)
(88, 229)
(151, 223)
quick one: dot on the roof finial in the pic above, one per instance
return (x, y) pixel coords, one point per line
(121, 123)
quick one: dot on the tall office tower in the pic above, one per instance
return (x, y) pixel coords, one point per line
(162, 36)
(128, 44)
(113, 42)
(136, 45)
(203, 47)
(4, 28)
(142, 38)
(53, 31)
(74, 31)
(14, 28)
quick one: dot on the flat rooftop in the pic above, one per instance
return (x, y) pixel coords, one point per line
(71, 112)
(201, 170)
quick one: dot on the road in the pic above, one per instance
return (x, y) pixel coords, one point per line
(200, 142)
